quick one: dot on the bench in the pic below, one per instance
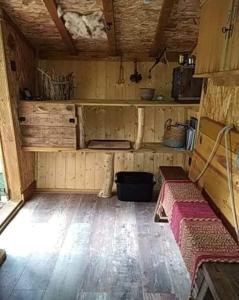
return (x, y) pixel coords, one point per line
(190, 216)
(168, 173)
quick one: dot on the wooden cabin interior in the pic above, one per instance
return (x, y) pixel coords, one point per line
(119, 157)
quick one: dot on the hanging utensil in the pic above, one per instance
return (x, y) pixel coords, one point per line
(121, 72)
(158, 59)
(136, 77)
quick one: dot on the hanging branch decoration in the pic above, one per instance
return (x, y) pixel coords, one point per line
(56, 87)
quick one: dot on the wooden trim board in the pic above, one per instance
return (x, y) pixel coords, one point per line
(211, 129)
(121, 103)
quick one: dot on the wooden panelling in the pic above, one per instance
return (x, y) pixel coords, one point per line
(121, 122)
(84, 171)
(211, 129)
(46, 108)
(212, 42)
(98, 79)
(232, 57)
(19, 165)
(47, 125)
(219, 103)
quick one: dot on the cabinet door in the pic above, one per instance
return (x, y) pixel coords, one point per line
(212, 42)
(232, 55)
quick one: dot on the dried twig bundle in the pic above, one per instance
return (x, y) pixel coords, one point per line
(56, 87)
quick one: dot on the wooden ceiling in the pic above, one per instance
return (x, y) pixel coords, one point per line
(136, 28)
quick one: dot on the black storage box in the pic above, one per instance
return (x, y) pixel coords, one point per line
(134, 186)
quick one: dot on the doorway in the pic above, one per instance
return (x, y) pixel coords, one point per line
(3, 182)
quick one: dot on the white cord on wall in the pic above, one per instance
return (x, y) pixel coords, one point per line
(224, 131)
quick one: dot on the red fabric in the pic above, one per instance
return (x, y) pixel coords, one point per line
(199, 233)
(178, 191)
(198, 211)
(206, 241)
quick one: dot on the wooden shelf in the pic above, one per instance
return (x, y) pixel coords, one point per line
(121, 103)
(147, 147)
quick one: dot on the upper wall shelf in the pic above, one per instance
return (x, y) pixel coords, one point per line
(122, 103)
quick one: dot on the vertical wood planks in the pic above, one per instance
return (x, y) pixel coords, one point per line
(83, 171)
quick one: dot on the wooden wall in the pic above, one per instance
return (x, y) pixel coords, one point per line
(19, 165)
(121, 122)
(221, 104)
(98, 79)
(85, 171)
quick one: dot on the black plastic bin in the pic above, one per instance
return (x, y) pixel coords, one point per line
(135, 186)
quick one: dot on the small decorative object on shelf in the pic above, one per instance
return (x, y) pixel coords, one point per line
(191, 133)
(147, 93)
(26, 94)
(56, 87)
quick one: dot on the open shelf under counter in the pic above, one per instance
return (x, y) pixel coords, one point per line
(120, 103)
(146, 147)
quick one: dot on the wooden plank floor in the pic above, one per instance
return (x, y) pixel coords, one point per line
(64, 247)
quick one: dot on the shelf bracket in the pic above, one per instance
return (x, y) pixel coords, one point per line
(80, 112)
(140, 131)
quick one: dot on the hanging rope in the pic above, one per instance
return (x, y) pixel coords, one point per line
(230, 181)
(224, 131)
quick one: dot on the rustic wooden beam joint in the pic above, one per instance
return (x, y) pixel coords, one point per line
(65, 35)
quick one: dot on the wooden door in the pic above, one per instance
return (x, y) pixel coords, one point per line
(232, 55)
(212, 42)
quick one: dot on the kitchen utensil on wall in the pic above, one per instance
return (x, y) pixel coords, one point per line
(157, 61)
(121, 72)
(135, 77)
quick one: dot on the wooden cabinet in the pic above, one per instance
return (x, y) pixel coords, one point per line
(232, 54)
(48, 125)
(218, 41)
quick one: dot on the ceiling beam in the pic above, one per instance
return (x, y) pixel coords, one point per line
(159, 40)
(65, 35)
(56, 55)
(108, 10)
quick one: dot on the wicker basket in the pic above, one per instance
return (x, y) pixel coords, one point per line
(174, 135)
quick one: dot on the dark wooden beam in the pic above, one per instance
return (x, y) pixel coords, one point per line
(159, 40)
(56, 55)
(65, 35)
(110, 25)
